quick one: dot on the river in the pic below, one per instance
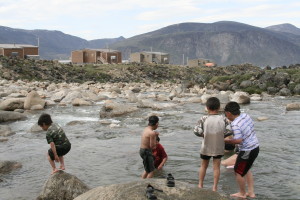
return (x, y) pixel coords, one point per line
(104, 154)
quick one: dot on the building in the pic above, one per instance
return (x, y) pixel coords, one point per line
(19, 50)
(100, 56)
(201, 63)
(150, 57)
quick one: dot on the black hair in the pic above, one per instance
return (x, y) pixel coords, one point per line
(153, 120)
(213, 103)
(157, 139)
(232, 107)
(45, 119)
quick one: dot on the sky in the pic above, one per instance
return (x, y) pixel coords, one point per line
(98, 19)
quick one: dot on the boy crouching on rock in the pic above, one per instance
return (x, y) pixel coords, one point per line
(59, 143)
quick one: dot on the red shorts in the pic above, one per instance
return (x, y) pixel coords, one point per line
(245, 160)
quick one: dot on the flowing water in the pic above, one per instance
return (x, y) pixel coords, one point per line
(102, 154)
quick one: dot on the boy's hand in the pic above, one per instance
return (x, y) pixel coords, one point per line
(56, 158)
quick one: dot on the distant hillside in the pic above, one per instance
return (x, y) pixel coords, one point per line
(53, 44)
(286, 28)
(223, 42)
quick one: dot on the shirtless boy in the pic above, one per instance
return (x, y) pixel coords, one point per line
(148, 142)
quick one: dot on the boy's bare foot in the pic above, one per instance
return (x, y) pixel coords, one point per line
(214, 189)
(200, 186)
(62, 168)
(239, 195)
(54, 171)
(251, 195)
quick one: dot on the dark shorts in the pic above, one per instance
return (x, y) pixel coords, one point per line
(205, 157)
(61, 150)
(229, 147)
(148, 159)
(245, 160)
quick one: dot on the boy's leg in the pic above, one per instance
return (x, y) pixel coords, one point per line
(202, 172)
(216, 166)
(62, 163)
(250, 183)
(150, 175)
(144, 175)
(242, 185)
(52, 163)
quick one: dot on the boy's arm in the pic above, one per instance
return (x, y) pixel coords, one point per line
(153, 139)
(233, 141)
(52, 145)
(162, 163)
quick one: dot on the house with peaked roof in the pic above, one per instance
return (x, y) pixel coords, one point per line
(150, 57)
(19, 50)
(96, 56)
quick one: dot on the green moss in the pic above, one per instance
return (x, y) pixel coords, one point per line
(253, 90)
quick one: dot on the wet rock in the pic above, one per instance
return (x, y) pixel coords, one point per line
(9, 166)
(71, 96)
(58, 96)
(6, 116)
(137, 191)
(35, 129)
(262, 118)
(293, 106)
(62, 185)
(33, 99)
(12, 104)
(255, 97)
(113, 109)
(4, 139)
(154, 105)
(5, 131)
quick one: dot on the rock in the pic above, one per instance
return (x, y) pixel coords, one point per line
(71, 96)
(33, 99)
(245, 84)
(285, 92)
(80, 102)
(57, 97)
(137, 191)
(3, 139)
(113, 109)
(12, 104)
(296, 89)
(262, 118)
(5, 131)
(154, 105)
(35, 129)
(136, 90)
(6, 116)
(293, 106)
(272, 90)
(19, 110)
(255, 97)
(240, 97)
(195, 100)
(8, 166)
(62, 185)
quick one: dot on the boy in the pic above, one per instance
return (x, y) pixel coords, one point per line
(212, 128)
(59, 143)
(148, 142)
(245, 136)
(159, 154)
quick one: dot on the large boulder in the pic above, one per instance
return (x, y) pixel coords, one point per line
(12, 104)
(137, 191)
(240, 97)
(62, 185)
(293, 106)
(114, 109)
(71, 96)
(33, 99)
(6, 116)
(9, 166)
(81, 102)
(5, 131)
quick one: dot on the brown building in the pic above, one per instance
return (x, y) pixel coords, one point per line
(19, 50)
(150, 57)
(201, 63)
(101, 56)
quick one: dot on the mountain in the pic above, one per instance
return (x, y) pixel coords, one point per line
(53, 44)
(286, 28)
(223, 42)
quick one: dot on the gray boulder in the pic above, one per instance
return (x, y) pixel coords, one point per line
(245, 84)
(285, 92)
(114, 109)
(9, 166)
(6, 116)
(62, 185)
(137, 191)
(293, 106)
(297, 89)
(12, 104)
